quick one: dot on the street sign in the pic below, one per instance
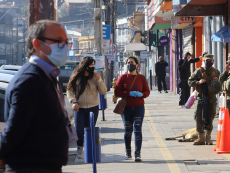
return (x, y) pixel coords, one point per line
(106, 36)
(106, 32)
(113, 57)
(144, 54)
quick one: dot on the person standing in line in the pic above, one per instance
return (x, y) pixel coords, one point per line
(35, 138)
(161, 73)
(134, 111)
(184, 74)
(82, 93)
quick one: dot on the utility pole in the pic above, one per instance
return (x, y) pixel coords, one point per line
(41, 9)
(98, 34)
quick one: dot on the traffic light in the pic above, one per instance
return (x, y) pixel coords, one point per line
(23, 58)
(121, 56)
(152, 39)
(145, 37)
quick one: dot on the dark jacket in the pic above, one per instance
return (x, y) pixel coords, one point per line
(160, 69)
(35, 135)
(184, 68)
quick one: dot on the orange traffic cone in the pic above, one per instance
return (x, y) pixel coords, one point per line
(224, 146)
(219, 128)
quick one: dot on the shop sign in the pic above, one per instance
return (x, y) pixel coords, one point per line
(187, 20)
(164, 41)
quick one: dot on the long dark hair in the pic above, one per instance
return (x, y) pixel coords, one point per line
(79, 73)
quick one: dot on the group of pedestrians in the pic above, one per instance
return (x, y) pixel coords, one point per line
(36, 136)
(37, 125)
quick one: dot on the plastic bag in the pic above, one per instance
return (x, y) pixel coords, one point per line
(190, 101)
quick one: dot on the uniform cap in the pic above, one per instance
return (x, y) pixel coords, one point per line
(208, 56)
(215, 87)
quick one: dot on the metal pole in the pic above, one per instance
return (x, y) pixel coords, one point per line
(151, 83)
(93, 142)
(17, 61)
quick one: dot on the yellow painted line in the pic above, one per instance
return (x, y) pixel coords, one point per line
(227, 156)
(173, 166)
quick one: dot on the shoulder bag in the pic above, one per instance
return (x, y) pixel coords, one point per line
(121, 104)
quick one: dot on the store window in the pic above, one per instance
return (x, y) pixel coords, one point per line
(2, 48)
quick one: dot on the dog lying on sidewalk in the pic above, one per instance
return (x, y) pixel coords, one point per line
(188, 136)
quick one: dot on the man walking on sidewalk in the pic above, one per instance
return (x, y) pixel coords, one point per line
(35, 138)
(184, 74)
(161, 73)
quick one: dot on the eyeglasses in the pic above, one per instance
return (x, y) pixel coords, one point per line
(61, 44)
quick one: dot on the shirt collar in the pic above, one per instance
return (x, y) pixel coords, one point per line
(55, 72)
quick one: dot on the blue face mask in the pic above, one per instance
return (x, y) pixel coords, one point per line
(58, 55)
(208, 64)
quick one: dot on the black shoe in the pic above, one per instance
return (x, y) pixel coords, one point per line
(128, 154)
(166, 91)
(137, 156)
(159, 92)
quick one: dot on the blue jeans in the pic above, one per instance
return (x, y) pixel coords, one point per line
(82, 120)
(133, 119)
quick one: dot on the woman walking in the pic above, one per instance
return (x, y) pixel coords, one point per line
(82, 92)
(134, 111)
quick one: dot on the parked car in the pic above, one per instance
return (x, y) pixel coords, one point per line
(4, 81)
(10, 67)
(66, 72)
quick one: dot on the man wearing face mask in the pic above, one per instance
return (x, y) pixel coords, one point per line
(161, 73)
(35, 138)
(205, 75)
(184, 74)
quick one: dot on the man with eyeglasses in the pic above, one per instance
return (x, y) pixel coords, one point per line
(35, 138)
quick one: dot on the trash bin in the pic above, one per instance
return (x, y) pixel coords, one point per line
(88, 145)
(103, 99)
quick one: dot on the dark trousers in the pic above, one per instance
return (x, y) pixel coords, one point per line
(211, 113)
(132, 120)
(159, 80)
(30, 170)
(184, 92)
(82, 120)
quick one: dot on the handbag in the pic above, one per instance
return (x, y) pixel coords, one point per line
(121, 103)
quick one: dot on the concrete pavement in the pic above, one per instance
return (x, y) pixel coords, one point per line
(163, 118)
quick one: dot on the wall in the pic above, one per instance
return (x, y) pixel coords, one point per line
(198, 45)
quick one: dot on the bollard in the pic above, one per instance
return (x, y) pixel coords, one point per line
(92, 144)
(102, 105)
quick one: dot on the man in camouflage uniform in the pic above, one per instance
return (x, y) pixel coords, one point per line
(224, 77)
(206, 75)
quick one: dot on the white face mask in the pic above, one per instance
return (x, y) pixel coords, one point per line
(58, 55)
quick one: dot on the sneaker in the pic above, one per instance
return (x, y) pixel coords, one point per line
(137, 156)
(128, 154)
(79, 152)
(166, 91)
(159, 92)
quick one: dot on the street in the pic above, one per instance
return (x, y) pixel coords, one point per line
(163, 118)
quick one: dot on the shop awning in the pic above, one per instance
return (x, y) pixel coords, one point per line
(201, 10)
(206, 2)
(164, 9)
(132, 47)
(157, 26)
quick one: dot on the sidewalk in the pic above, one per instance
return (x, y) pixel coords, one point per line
(163, 118)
